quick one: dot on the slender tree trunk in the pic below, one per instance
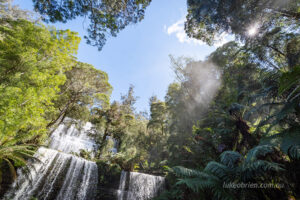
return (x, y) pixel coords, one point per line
(289, 14)
(277, 50)
(62, 114)
(104, 138)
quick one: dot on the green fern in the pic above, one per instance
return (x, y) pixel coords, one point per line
(259, 152)
(16, 156)
(232, 168)
(259, 168)
(285, 140)
(183, 172)
(290, 79)
(230, 158)
(294, 152)
(195, 184)
(219, 170)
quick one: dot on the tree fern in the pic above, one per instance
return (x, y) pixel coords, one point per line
(195, 184)
(285, 139)
(233, 168)
(259, 168)
(185, 172)
(259, 152)
(230, 158)
(219, 170)
(290, 79)
(213, 184)
(16, 156)
(294, 152)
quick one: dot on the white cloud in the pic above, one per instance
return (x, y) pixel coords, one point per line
(178, 29)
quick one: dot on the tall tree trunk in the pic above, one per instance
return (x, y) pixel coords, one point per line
(61, 115)
(103, 142)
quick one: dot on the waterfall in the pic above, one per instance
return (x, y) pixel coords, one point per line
(139, 186)
(71, 140)
(60, 175)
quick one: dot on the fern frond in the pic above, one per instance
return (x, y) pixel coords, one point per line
(259, 151)
(258, 168)
(294, 152)
(284, 139)
(198, 183)
(220, 193)
(17, 155)
(289, 107)
(185, 172)
(219, 170)
(230, 158)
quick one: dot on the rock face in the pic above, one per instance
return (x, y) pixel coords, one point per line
(59, 174)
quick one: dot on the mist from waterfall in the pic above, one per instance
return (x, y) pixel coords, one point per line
(59, 174)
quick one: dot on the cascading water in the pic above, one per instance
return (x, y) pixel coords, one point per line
(139, 186)
(60, 175)
(69, 139)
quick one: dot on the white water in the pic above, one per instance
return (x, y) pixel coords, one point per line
(139, 186)
(60, 175)
(71, 140)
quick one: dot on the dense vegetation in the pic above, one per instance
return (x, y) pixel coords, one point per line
(106, 17)
(232, 118)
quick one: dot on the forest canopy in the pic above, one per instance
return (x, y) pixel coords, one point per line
(106, 17)
(231, 118)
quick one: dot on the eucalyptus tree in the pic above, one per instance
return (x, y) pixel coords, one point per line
(33, 62)
(10, 11)
(85, 87)
(158, 116)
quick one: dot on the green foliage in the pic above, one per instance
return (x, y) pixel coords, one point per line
(207, 20)
(294, 152)
(106, 17)
(216, 174)
(33, 59)
(251, 123)
(197, 180)
(174, 193)
(121, 123)
(158, 115)
(230, 158)
(40, 83)
(260, 151)
(85, 87)
(289, 81)
(13, 156)
(286, 139)
(231, 118)
(109, 175)
(9, 11)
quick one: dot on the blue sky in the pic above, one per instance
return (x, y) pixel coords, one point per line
(139, 55)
